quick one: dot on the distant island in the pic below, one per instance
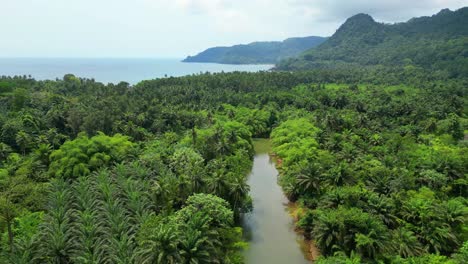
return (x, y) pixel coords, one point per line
(268, 52)
(435, 42)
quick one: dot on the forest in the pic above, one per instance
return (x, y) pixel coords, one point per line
(259, 52)
(437, 42)
(156, 172)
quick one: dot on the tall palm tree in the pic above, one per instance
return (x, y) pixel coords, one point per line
(217, 184)
(197, 181)
(88, 227)
(238, 190)
(136, 198)
(8, 212)
(23, 140)
(163, 192)
(119, 230)
(56, 232)
(24, 251)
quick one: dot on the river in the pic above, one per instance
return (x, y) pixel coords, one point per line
(269, 227)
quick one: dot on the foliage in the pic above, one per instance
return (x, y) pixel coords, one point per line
(83, 155)
(437, 43)
(376, 182)
(376, 158)
(257, 52)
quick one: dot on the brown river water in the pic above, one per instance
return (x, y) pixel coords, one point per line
(269, 227)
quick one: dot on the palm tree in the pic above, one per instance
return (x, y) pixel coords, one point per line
(118, 228)
(309, 179)
(161, 247)
(383, 207)
(56, 232)
(438, 237)
(29, 121)
(455, 213)
(136, 197)
(23, 140)
(42, 153)
(8, 212)
(222, 147)
(5, 150)
(24, 251)
(195, 248)
(337, 176)
(217, 184)
(372, 244)
(328, 233)
(238, 189)
(88, 228)
(197, 181)
(380, 183)
(184, 188)
(290, 189)
(164, 192)
(88, 238)
(405, 243)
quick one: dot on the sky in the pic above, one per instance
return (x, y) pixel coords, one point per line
(177, 28)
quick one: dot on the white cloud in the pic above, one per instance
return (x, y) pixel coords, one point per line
(180, 27)
(390, 10)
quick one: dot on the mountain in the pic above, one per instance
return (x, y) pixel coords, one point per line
(439, 42)
(257, 52)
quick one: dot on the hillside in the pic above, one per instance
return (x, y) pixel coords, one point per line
(438, 42)
(257, 52)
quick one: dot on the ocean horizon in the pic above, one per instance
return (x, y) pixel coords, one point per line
(115, 70)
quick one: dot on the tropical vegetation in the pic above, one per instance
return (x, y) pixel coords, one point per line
(375, 157)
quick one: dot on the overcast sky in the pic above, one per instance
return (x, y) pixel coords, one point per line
(176, 28)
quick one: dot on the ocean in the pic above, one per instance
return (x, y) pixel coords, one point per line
(113, 70)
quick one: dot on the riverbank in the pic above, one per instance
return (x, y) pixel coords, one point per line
(308, 246)
(269, 228)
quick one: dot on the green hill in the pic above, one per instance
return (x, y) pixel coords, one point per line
(257, 52)
(439, 42)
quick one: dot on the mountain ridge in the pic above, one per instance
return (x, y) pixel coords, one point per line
(433, 42)
(259, 52)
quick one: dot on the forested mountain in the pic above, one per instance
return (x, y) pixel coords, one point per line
(257, 52)
(439, 42)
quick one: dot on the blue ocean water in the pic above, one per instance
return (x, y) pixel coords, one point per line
(114, 69)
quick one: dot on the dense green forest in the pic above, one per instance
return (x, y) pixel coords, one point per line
(156, 172)
(438, 43)
(378, 173)
(257, 52)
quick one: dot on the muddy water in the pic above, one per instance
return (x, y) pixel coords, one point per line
(269, 227)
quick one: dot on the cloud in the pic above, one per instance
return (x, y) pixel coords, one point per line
(199, 6)
(284, 18)
(389, 10)
(180, 27)
(226, 16)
